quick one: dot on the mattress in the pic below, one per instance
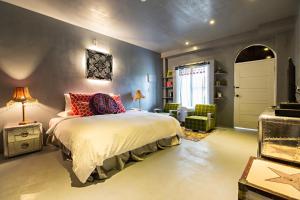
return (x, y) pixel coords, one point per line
(94, 139)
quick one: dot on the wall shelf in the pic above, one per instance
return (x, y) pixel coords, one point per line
(219, 98)
(220, 73)
(222, 83)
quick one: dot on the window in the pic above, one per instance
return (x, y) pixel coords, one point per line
(192, 85)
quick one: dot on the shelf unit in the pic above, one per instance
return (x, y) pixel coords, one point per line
(220, 84)
(167, 95)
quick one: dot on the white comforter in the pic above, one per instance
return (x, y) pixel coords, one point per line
(97, 138)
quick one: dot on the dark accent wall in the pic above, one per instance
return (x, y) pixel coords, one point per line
(297, 50)
(48, 56)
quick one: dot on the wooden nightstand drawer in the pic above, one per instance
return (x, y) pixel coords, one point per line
(20, 139)
(14, 135)
(24, 146)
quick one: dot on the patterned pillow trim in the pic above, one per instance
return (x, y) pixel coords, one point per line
(75, 98)
(84, 109)
(118, 100)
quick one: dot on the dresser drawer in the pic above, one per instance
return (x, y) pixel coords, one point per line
(15, 135)
(24, 146)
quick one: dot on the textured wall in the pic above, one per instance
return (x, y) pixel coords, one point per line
(225, 56)
(48, 56)
(297, 47)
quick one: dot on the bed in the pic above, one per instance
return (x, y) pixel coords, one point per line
(99, 143)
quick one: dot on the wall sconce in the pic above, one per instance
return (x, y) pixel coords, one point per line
(95, 42)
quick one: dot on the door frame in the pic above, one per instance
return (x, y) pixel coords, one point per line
(275, 81)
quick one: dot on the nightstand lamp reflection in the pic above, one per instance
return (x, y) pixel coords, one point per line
(22, 95)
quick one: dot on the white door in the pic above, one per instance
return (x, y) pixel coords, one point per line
(255, 86)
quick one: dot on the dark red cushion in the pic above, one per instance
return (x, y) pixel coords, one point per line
(103, 104)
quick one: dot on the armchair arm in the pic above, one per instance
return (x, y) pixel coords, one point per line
(157, 110)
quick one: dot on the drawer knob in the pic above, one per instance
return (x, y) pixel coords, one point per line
(24, 145)
(24, 134)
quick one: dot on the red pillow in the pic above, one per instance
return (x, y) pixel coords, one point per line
(84, 108)
(118, 100)
(75, 98)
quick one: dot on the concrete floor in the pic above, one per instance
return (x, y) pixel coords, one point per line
(208, 170)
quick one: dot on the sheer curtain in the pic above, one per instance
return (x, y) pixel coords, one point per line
(192, 85)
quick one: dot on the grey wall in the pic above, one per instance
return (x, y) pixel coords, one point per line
(297, 47)
(281, 43)
(49, 56)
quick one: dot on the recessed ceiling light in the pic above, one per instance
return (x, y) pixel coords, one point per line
(143, 0)
(195, 48)
(266, 49)
(212, 22)
(187, 43)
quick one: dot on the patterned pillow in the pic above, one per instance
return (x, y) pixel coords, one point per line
(118, 100)
(103, 104)
(84, 108)
(75, 98)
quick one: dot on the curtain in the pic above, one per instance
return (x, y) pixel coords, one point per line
(192, 85)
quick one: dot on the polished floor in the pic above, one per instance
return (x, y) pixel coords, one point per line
(208, 170)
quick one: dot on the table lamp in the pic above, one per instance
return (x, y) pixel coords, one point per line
(138, 96)
(21, 94)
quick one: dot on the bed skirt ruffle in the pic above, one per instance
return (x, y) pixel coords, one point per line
(117, 163)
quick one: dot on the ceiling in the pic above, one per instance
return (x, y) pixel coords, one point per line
(163, 25)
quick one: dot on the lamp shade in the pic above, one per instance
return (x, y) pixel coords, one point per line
(21, 94)
(138, 95)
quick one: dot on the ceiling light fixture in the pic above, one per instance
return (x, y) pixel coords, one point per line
(187, 43)
(212, 22)
(143, 0)
(266, 49)
(268, 57)
(195, 48)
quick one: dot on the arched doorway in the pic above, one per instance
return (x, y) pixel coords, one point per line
(254, 84)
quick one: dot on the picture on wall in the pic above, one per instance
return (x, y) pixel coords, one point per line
(99, 65)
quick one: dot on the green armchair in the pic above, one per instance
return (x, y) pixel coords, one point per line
(169, 109)
(202, 119)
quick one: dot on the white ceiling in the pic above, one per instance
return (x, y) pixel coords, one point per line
(163, 25)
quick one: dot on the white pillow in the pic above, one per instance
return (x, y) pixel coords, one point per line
(66, 114)
(67, 102)
(62, 114)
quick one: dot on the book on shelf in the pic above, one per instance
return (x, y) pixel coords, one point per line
(169, 84)
(169, 74)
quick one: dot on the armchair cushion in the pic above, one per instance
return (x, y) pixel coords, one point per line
(198, 117)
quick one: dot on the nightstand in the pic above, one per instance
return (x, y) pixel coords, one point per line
(21, 139)
(137, 109)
